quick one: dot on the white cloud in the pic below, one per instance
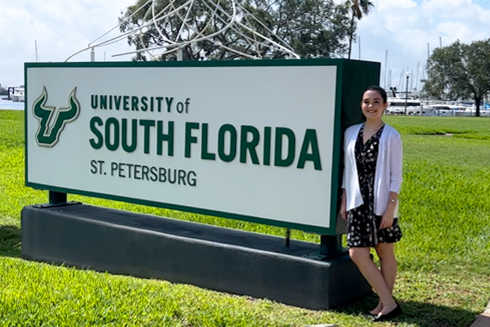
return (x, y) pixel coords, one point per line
(449, 8)
(60, 27)
(63, 27)
(456, 31)
(396, 4)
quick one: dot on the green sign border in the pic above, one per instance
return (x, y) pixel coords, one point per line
(337, 137)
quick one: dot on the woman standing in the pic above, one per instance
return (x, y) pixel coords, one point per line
(371, 183)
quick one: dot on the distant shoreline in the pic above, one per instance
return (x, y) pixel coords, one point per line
(11, 105)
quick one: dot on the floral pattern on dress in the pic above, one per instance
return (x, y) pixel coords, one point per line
(362, 223)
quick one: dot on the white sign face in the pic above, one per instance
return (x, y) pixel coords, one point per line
(246, 142)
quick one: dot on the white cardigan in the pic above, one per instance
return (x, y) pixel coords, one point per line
(388, 175)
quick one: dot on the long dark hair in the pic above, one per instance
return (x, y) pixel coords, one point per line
(378, 89)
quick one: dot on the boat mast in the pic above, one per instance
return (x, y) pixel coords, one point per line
(386, 68)
(359, 47)
(417, 80)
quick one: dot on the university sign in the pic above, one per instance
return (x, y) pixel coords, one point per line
(250, 140)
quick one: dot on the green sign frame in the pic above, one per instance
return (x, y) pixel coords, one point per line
(351, 79)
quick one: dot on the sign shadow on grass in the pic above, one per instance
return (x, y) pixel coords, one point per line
(10, 241)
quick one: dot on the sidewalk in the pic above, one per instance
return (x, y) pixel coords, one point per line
(483, 320)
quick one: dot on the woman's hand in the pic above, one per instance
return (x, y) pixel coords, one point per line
(389, 215)
(387, 219)
(343, 206)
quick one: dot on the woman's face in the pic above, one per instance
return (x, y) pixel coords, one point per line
(372, 104)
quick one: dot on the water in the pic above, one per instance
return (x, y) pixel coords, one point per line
(10, 105)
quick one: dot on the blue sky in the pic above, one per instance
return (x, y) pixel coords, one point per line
(404, 28)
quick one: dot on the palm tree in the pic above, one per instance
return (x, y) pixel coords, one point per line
(358, 9)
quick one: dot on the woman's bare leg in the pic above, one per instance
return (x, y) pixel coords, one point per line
(386, 254)
(361, 257)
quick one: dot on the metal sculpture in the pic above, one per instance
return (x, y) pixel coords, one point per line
(233, 17)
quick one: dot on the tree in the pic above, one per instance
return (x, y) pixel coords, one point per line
(358, 8)
(460, 71)
(313, 28)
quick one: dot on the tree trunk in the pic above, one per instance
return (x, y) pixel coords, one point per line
(351, 35)
(478, 101)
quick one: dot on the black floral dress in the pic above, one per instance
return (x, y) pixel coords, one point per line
(362, 224)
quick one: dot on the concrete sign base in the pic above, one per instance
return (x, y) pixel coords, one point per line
(216, 258)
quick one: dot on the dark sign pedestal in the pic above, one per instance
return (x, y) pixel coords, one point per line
(221, 259)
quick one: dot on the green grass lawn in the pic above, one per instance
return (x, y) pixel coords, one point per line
(444, 256)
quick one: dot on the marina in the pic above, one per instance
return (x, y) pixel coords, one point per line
(395, 107)
(417, 107)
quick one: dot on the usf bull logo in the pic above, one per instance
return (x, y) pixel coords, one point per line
(52, 120)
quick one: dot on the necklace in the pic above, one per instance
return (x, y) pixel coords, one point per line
(373, 129)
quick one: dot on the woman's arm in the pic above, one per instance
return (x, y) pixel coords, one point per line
(343, 205)
(395, 164)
